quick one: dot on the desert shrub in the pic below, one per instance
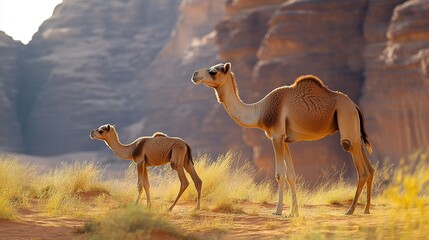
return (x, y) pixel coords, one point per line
(60, 186)
(410, 184)
(17, 184)
(132, 222)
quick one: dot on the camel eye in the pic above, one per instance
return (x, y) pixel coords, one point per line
(100, 131)
(212, 72)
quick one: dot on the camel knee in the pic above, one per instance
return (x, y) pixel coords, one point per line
(173, 165)
(140, 186)
(198, 184)
(184, 185)
(280, 178)
(346, 144)
(363, 177)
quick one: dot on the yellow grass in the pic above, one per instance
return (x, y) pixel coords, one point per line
(402, 192)
(223, 183)
(60, 186)
(16, 184)
(131, 222)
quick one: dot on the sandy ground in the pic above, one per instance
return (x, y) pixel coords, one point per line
(254, 221)
(33, 225)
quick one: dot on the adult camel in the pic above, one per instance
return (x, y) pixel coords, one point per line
(304, 111)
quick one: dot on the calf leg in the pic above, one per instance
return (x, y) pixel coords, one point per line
(146, 186)
(189, 167)
(139, 180)
(178, 156)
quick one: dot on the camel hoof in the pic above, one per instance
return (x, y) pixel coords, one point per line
(349, 212)
(366, 212)
(276, 214)
(292, 215)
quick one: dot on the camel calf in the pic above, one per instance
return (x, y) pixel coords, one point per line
(159, 149)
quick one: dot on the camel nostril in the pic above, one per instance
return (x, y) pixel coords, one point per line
(195, 74)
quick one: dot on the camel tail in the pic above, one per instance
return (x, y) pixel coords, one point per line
(189, 154)
(363, 133)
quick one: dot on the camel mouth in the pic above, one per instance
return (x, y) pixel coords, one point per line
(91, 135)
(196, 80)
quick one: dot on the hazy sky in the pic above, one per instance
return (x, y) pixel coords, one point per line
(20, 19)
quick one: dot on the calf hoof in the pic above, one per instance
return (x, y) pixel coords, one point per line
(349, 212)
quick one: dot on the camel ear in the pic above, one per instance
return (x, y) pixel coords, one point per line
(226, 67)
(108, 127)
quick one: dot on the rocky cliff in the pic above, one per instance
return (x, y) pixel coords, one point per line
(81, 66)
(355, 47)
(292, 38)
(396, 90)
(129, 62)
(10, 131)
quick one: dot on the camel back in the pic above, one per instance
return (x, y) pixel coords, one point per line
(309, 78)
(159, 134)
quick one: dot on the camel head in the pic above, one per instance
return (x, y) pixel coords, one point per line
(214, 76)
(103, 132)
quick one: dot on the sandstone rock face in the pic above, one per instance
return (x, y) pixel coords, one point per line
(345, 44)
(10, 132)
(396, 90)
(79, 68)
(173, 103)
(129, 63)
(292, 38)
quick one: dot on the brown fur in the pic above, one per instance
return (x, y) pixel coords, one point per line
(139, 147)
(310, 78)
(362, 130)
(271, 115)
(159, 134)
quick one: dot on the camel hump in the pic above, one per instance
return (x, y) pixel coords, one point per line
(159, 134)
(309, 79)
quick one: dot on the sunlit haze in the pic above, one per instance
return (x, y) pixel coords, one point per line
(20, 19)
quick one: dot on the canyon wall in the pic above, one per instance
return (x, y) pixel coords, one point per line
(10, 131)
(129, 63)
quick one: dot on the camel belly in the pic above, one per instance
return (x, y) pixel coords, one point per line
(310, 129)
(158, 151)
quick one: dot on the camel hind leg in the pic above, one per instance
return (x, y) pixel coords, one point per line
(178, 156)
(351, 141)
(189, 167)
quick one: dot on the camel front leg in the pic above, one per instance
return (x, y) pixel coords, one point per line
(291, 179)
(280, 171)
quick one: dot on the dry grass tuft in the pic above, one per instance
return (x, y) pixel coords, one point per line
(61, 186)
(132, 222)
(228, 207)
(16, 185)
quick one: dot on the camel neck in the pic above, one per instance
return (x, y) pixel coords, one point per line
(120, 150)
(246, 115)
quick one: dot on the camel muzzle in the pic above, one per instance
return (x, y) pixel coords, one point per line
(195, 79)
(92, 135)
